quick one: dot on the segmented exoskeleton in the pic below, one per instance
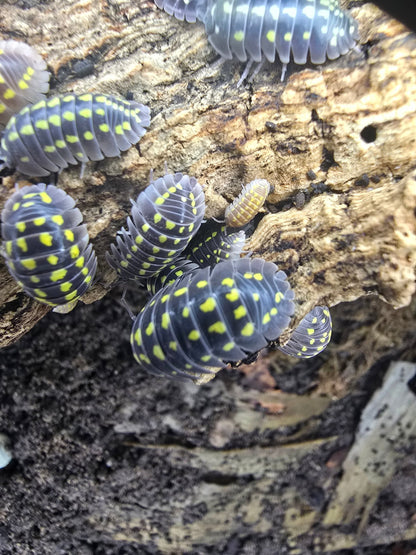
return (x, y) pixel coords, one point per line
(46, 248)
(164, 218)
(214, 243)
(254, 30)
(312, 334)
(212, 315)
(69, 129)
(248, 203)
(23, 78)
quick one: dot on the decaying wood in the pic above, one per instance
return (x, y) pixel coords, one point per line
(352, 122)
(337, 143)
(387, 427)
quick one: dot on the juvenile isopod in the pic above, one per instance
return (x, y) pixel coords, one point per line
(248, 203)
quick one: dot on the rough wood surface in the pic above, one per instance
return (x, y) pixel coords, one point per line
(109, 460)
(357, 236)
(387, 427)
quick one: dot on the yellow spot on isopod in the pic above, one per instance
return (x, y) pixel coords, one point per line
(57, 219)
(85, 113)
(74, 251)
(266, 318)
(233, 295)
(53, 259)
(46, 239)
(69, 235)
(194, 335)
(27, 130)
(55, 120)
(138, 337)
(240, 312)
(53, 102)
(157, 351)
(40, 293)
(271, 35)
(165, 320)
(68, 116)
(248, 329)
(29, 263)
(42, 124)
(180, 291)
(9, 93)
(57, 275)
(208, 305)
(217, 327)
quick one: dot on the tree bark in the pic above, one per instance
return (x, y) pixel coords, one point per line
(263, 450)
(352, 122)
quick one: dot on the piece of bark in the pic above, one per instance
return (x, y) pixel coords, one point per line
(351, 121)
(387, 428)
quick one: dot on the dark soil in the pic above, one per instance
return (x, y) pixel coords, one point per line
(81, 416)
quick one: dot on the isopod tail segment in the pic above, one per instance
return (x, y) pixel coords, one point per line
(212, 316)
(311, 336)
(46, 246)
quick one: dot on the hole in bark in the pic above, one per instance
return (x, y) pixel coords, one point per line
(369, 134)
(411, 384)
